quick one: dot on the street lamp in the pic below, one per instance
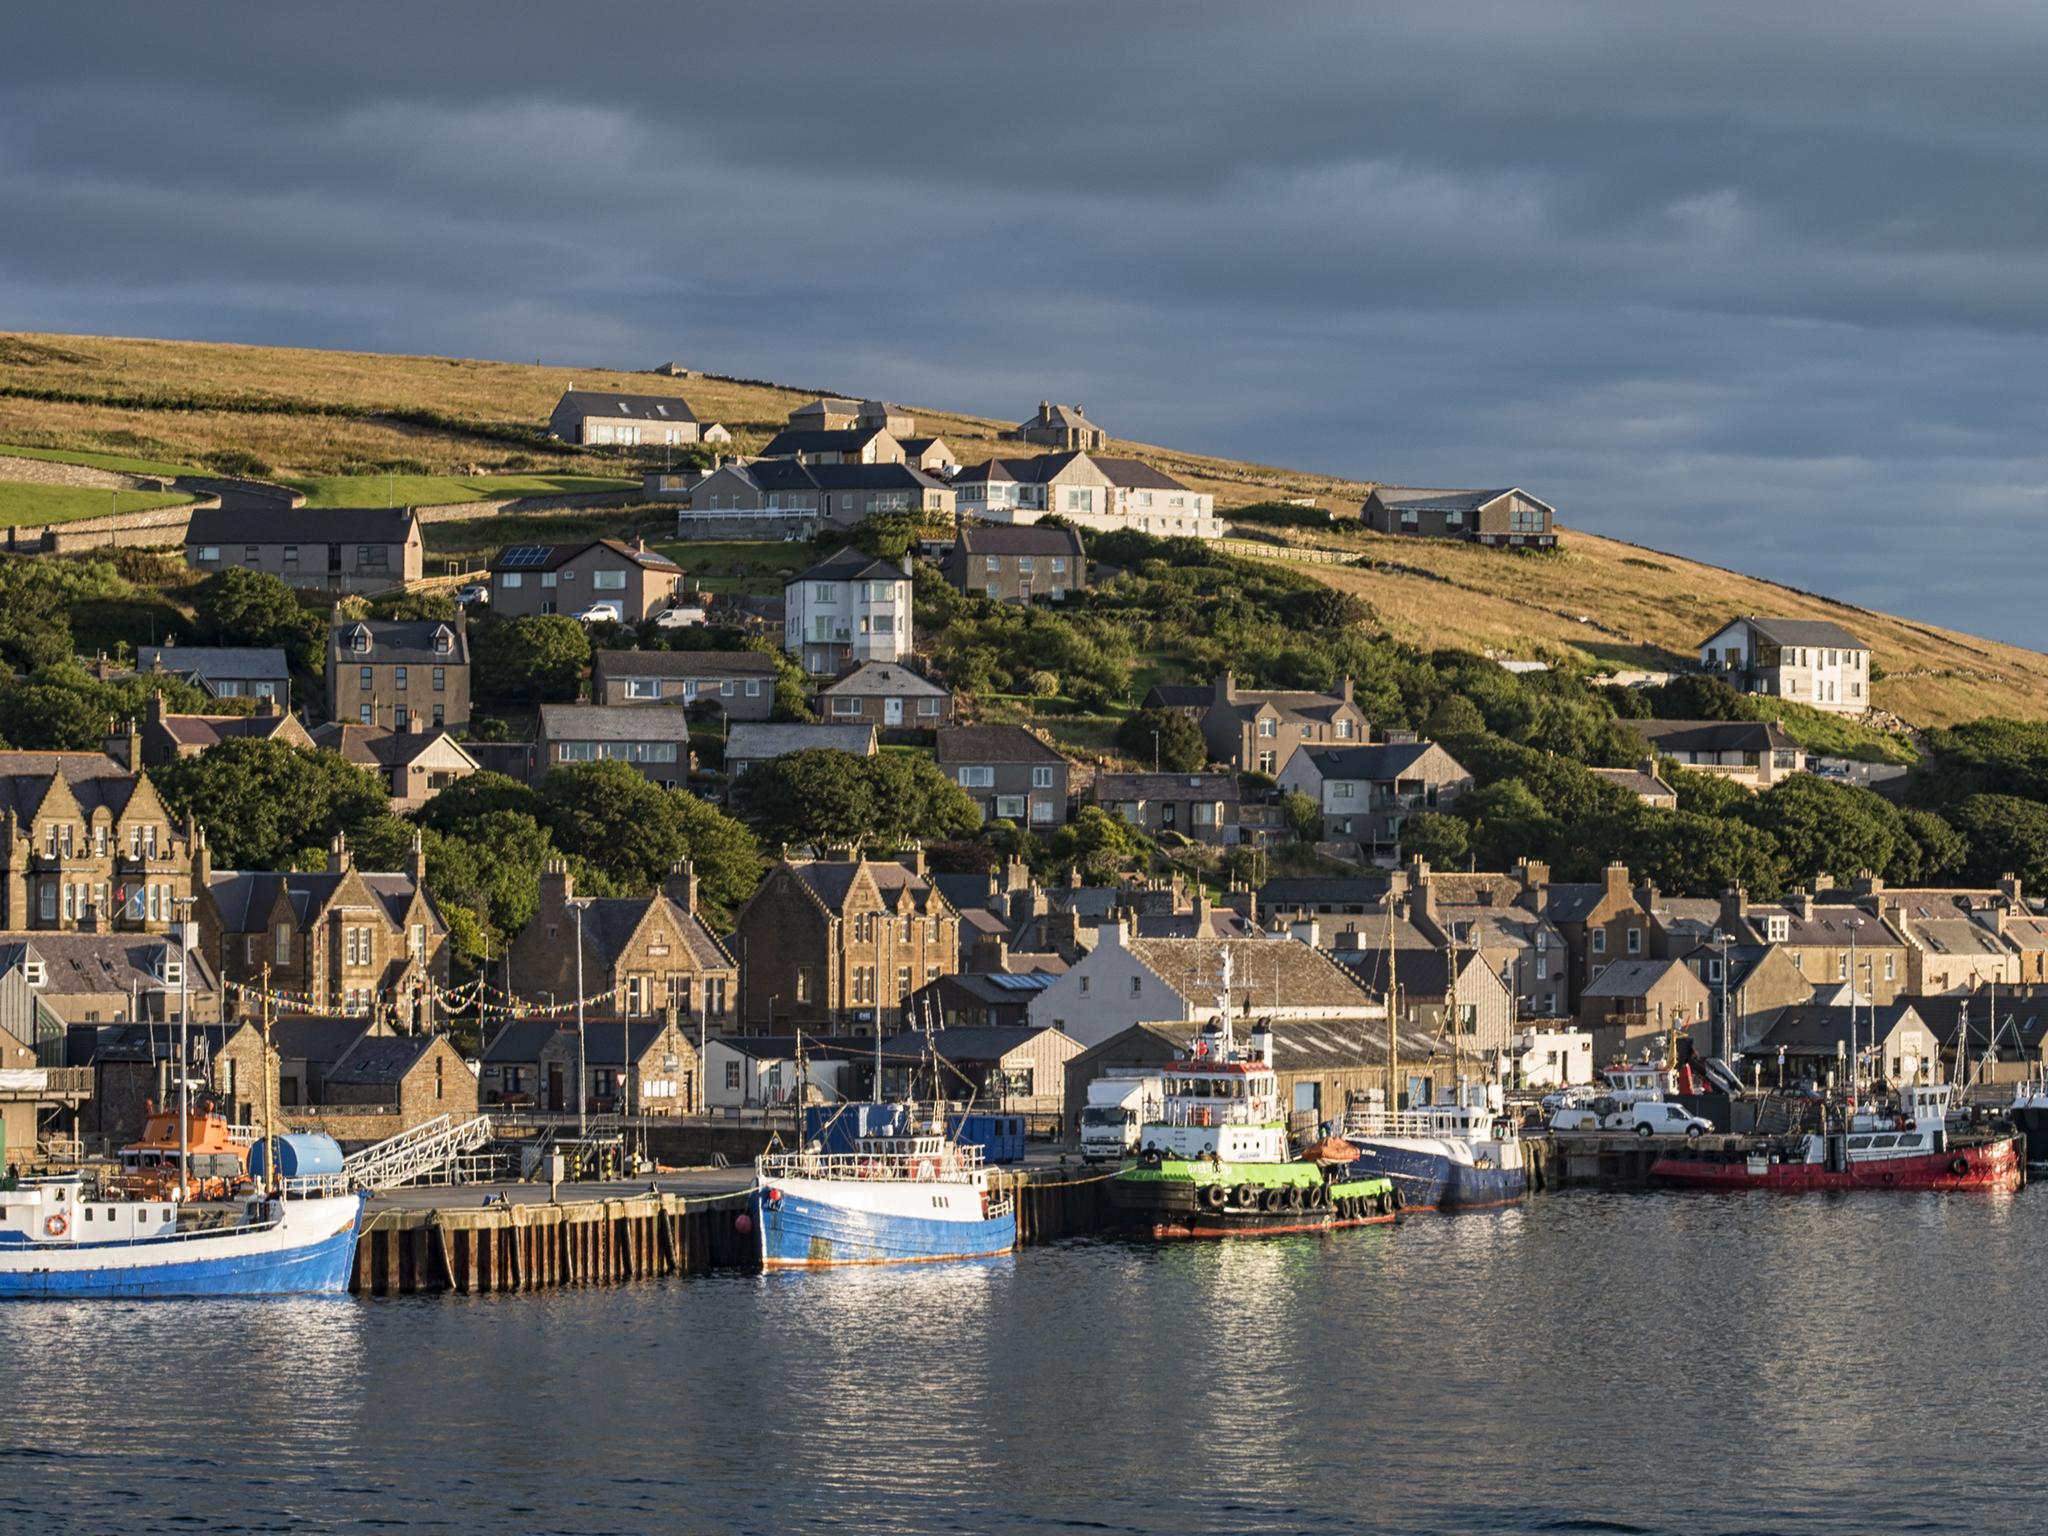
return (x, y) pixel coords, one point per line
(582, 1056)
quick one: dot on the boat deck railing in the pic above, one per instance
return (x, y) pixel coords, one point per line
(1409, 1122)
(902, 1167)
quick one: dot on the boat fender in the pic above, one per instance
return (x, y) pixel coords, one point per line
(1891, 1178)
(1213, 1196)
(1269, 1198)
(1291, 1197)
(1245, 1195)
(1959, 1166)
(1151, 1159)
(56, 1226)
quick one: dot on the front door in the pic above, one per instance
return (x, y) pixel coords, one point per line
(555, 1087)
(892, 711)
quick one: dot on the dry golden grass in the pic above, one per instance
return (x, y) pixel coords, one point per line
(1641, 608)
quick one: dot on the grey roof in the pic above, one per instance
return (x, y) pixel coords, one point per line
(1001, 988)
(794, 440)
(615, 722)
(554, 556)
(1179, 696)
(1299, 1045)
(850, 564)
(1032, 469)
(1807, 632)
(901, 888)
(378, 746)
(401, 642)
(885, 678)
(604, 1040)
(1052, 413)
(520, 1040)
(609, 923)
(655, 408)
(379, 1059)
(965, 892)
(753, 742)
(685, 664)
(1379, 763)
(86, 1044)
(1167, 786)
(1319, 891)
(1423, 499)
(1018, 539)
(1135, 474)
(1632, 978)
(993, 744)
(1817, 1028)
(327, 525)
(1711, 735)
(1634, 780)
(207, 662)
(316, 1038)
(95, 780)
(244, 898)
(988, 1042)
(84, 963)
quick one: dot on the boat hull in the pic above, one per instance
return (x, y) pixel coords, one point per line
(811, 1224)
(2032, 1120)
(1984, 1165)
(1429, 1177)
(311, 1254)
(1172, 1201)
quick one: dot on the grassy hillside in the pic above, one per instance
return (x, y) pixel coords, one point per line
(319, 415)
(28, 506)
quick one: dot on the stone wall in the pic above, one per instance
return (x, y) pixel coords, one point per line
(79, 476)
(353, 1125)
(158, 528)
(462, 511)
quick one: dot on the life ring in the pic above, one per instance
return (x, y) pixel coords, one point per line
(1245, 1195)
(1213, 1196)
(56, 1226)
(1959, 1166)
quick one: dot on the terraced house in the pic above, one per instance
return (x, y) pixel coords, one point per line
(407, 674)
(740, 683)
(837, 944)
(337, 940)
(334, 549)
(85, 842)
(653, 953)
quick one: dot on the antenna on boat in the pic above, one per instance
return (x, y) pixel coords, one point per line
(1392, 995)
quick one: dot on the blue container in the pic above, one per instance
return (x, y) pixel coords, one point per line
(839, 1127)
(1000, 1137)
(298, 1156)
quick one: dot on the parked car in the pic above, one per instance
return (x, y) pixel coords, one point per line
(1644, 1116)
(680, 617)
(475, 592)
(599, 613)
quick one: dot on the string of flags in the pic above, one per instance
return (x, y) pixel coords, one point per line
(455, 999)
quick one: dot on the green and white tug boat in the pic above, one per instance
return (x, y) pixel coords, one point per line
(1215, 1163)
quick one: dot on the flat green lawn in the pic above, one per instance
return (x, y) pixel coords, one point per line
(749, 568)
(27, 505)
(438, 490)
(111, 461)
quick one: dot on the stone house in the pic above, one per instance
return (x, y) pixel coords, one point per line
(162, 737)
(930, 454)
(654, 738)
(1815, 1042)
(1060, 426)
(407, 674)
(1124, 980)
(635, 1066)
(1636, 1009)
(1956, 941)
(841, 445)
(740, 683)
(532, 579)
(748, 746)
(837, 944)
(1008, 772)
(1017, 1069)
(888, 696)
(113, 978)
(222, 671)
(135, 1065)
(86, 841)
(1260, 730)
(1810, 661)
(647, 955)
(1753, 753)
(1367, 793)
(1600, 923)
(414, 765)
(308, 1044)
(596, 417)
(848, 609)
(1203, 807)
(334, 549)
(1017, 563)
(334, 940)
(1431, 979)
(1830, 943)
(413, 1078)
(1485, 914)
(1644, 782)
(39, 1090)
(832, 414)
(1509, 517)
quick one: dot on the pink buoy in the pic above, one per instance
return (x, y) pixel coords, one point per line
(743, 1222)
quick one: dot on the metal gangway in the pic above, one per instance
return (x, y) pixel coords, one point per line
(434, 1152)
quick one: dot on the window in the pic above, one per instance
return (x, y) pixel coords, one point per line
(803, 983)
(1137, 986)
(753, 687)
(1041, 778)
(732, 1076)
(643, 688)
(1084, 985)
(977, 778)
(1599, 937)
(1009, 806)
(1891, 967)
(927, 707)
(398, 678)
(903, 981)
(363, 714)
(251, 554)
(1042, 810)
(366, 678)
(440, 681)
(548, 580)
(282, 953)
(608, 581)
(845, 704)
(373, 557)
(1542, 966)
(991, 563)
(511, 579)
(1268, 729)
(207, 553)
(1635, 941)
(725, 688)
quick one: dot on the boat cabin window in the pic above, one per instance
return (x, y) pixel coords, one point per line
(1911, 1140)
(1858, 1143)
(1884, 1141)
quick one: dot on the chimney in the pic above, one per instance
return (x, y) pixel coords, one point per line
(1733, 903)
(557, 885)
(1344, 687)
(990, 956)
(1074, 878)
(1803, 904)
(913, 860)
(1205, 911)
(2009, 888)
(1045, 408)
(122, 744)
(1016, 874)
(267, 707)
(1615, 877)
(681, 884)
(202, 861)
(416, 861)
(338, 860)
(906, 563)
(1868, 884)
(1823, 882)
(1423, 887)
(1226, 688)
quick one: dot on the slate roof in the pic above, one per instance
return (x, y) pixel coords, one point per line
(1305, 1045)
(753, 741)
(318, 1039)
(609, 923)
(1316, 891)
(328, 525)
(1381, 762)
(203, 731)
(520, 1040)
(226, 663)
(615, 722)
(1167, 786)
(379, 1059)
(85, 1044)
(653, 408)
(559, 555)
(1265, 973)
(1134, 474)
(1052, 414)
(1806, 632)
(244, 897)
(993, 744)
(965, 891)
(849, 564)
(1033, 469)
(1018, 539)
(876, 679)
(988, 1042)
(1674, 736)
(401, 642)
(919, 446)
(900, 887)
(1423, 499)
(1635, 781)
(1808, 1029)
(685, 664)
(1632, 978)
(378, 746)
(1000, 987)
(93, 777)
(794, 440)
(1179, 696)
(84, 963)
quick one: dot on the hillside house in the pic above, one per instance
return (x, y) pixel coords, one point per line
(740, 683)
(85, 842)
(847, 609)
(835, 415)
(529, 579)
(1753, 753)
(1809, 661)
(1367, 793)
(163, 737)
(887, 696)
(1509, 517)
(222, 671)
(1017, 563)
(1636, 1009)
(406, 674)
(1008, 772)
(334, 549)
(1203, 807)
(407, 1080)
(599, 418)
(414, 765)
(750, 745)
(1259, 730)
(655, 738)
(1060, 426)
(846, 445)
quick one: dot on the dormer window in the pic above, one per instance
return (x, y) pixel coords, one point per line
(34, 972)
(359, 640)
(443, 642)
(1777, 929)
(170, 967)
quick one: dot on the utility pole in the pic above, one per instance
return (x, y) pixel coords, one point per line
(269, 1139)
(582, 1055)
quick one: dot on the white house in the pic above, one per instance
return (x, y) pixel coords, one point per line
(1809, 661)
(1124, 981)
(848, 609)
(1088, 490)
(1552, 1058)
(761, 1072)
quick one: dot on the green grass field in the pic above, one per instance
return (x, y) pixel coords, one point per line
(743, 567)
(112, 461)
(438, 490)
(28, 505)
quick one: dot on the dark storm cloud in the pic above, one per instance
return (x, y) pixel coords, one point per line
(1758, 283)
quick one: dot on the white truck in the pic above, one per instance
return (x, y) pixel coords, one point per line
(1116, 1108)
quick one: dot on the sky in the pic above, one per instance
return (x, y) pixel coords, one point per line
(1760, 284)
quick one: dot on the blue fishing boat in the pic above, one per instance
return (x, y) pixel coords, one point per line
(911, 1199)
(1462, 1156)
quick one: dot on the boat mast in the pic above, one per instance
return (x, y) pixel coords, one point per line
(1392, 992)
(270, 1175)
(184, 1065)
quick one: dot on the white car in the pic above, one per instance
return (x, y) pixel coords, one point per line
(1646, 1117)
(599, 613)
(473, 593)
(680, 618)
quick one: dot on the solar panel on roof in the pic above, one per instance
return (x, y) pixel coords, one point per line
(521, 555)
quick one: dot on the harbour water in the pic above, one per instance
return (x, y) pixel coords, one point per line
(1585, 1363)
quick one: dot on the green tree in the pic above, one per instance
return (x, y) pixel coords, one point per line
(1698, 855)
(2007, 836)
(916, 801)
(814, 798)
(490, 874)
(1704, 794)
(263, 803)
(1304, 817)
(1826, 828)
(1455, 716)
(632, 833)
(536, 659)
(1098, 844)
(1180, 745)
(238, 606)
(1696, 696)
(1943, 852)
(1443, 840)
